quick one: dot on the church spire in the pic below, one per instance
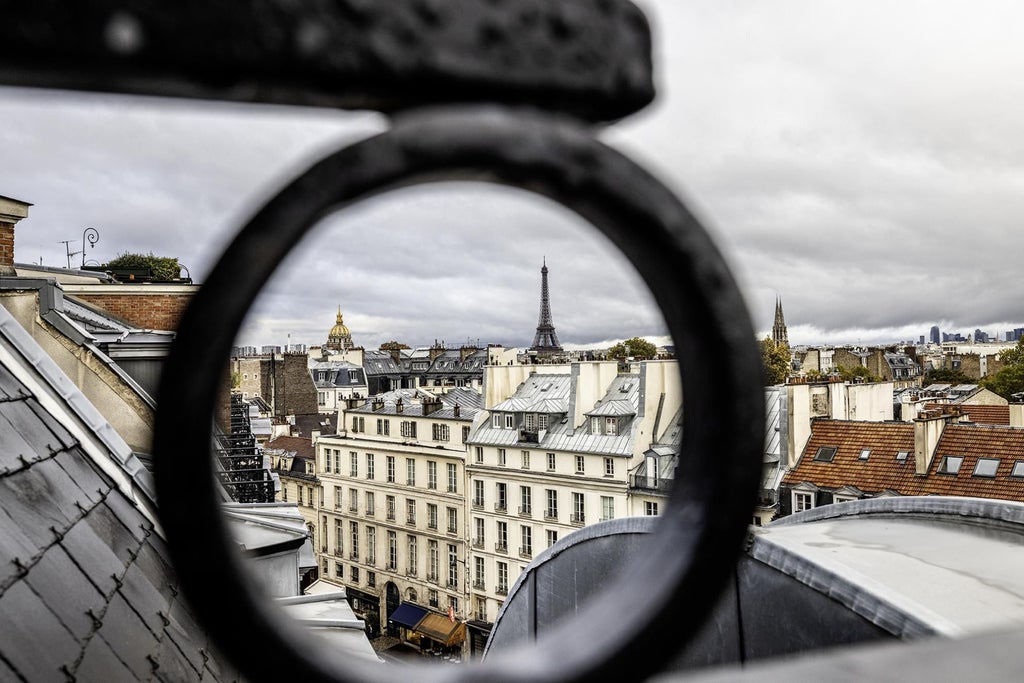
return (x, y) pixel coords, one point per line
(779, 333)
(545, 342)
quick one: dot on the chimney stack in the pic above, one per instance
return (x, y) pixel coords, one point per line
(928, 426)
(1017, 414)
(11, 211)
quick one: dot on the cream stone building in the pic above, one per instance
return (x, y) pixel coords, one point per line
(393, 518)
(557, 450)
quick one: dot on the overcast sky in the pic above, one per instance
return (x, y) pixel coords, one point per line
(864, 161)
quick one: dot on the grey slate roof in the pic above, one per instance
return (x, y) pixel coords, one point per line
(338, 374)
(87, 591)
(538, 394)
(469, 403)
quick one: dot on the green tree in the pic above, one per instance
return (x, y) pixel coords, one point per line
(638, 348)
(162, 267)
(815, 375)
(777, 361)
(857, 372)
(1009, 380)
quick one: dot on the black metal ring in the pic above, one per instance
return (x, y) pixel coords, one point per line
(636, 626)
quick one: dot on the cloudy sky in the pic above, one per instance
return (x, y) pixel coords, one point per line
(864, 161)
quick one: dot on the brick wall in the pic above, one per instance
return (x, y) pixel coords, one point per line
(157, 311)
(6, 248)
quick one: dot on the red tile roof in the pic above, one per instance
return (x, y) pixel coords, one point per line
(302, 445)
(882, 471)
(981, 414)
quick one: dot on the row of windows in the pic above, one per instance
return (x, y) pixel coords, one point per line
(390, 509)
(354, 576)
(367, 552)
(950, 464)
(580, 461)
(407, 428)
(550, 502)
(332, 457)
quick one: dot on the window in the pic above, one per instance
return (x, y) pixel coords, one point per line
(864, 454)
(502, 587)
(358, 424)
(551, 509)
(525, 500)
(526, 460)
(410, 472)
(371, 579)
(432, 562)
(353, 500)
(986, 467)
(802, 501)
(453, 520)
(453, 478)
(339, 537)
(496, 420)
(410, 511)
(371, 545)
(353, 464)
(950, 464)
(309, 496)
(501, 544)
(607, 507)
(478, 493)
(339, 570)
(392, 550)
(500, 500)
(337, 498)
(552, 537)
(337, 461)
(580, 464)
(578, 509)
(409, 429)
(390, 503)
(1018, 469)
(440, 432)
(478, 532)
(551, 462)
(411, 555)
(453, 566)
(478, 572)
(327, 460)
(321, 398)
(465, 434)
(431, 474)
(509, 421)
(431, 516)
(370, 506)
(389, 462)
(370, 469)
(651, 508)
(298, 491)
(354, 539)
(501, 457)
(611, 426)
(902, 455)
(432, 597)
(526, 535)
(825, 453)
(609, 467)
(530, 422)
(542, 421)
(383, 427)
(355, 575)
(479, 454)
(284, 492)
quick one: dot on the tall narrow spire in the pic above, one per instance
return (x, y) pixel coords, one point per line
(545, 342)
(779, 333)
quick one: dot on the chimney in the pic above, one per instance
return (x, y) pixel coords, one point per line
(378, 404)
(431, 405)
(396, 355)
(928, 426)
(1017, 414)
(399, 406)
(11, 211)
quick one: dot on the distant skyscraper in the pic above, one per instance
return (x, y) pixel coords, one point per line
(545, 342)
(936, 337)
(779, 333)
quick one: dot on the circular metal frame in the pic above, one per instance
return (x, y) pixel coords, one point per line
(661, 598)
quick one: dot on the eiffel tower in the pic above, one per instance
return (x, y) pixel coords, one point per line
(545, 342)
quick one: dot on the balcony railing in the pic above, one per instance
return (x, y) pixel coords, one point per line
(478, 505)
(479, 584)
(500, 507)
(411, 571)
(646, 483)
(501, 547)
(525, 511)
(527, 436)
(411, 521)
(478, 543)
(501, 590)
(578, 519)
(551, 516)
(526, 552)
(432, 577)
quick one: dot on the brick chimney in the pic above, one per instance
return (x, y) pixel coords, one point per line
(1017, 414)
(11, 211)
(928, 426)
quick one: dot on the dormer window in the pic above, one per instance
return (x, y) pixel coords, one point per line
(509, 421)
(496, 420)
(542, 421)
(950, 464)
(611, 426)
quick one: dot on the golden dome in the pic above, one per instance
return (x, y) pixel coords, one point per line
(339, 329)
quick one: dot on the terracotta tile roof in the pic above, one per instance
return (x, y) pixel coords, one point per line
(301, 445)
(882, 471)
(973, 442)
(986, 415)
